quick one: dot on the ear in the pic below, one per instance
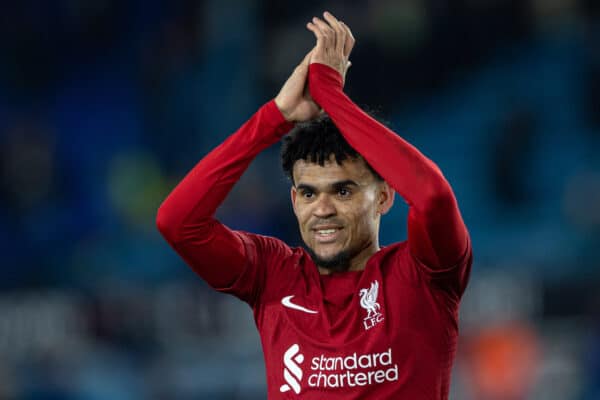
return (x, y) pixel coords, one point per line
(293, 194)
(386, 198)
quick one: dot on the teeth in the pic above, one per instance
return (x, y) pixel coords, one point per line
(326, 231)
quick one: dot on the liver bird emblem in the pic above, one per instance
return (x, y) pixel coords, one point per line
(368, 300)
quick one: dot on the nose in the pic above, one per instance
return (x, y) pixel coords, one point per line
(324, 207)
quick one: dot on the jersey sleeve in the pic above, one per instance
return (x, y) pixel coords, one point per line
(452, 279)
(228, 260)
(262, 257)
(437, 236)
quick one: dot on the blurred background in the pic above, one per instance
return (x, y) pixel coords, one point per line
(106, 104)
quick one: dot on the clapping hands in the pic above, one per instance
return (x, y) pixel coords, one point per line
(334, 44)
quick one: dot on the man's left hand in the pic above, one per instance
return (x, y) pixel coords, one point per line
(334, 43)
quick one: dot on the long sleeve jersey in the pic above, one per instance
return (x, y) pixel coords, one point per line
(386, 332)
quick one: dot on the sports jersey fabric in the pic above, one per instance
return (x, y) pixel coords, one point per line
(387, 332)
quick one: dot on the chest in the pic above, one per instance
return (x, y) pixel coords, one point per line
(348, 333)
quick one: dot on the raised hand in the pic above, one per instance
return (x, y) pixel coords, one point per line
(294, 100)
(334, 43)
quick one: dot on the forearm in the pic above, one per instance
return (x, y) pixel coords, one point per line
(186, 217)
(436, 231)
(198, 195)
(397, 161)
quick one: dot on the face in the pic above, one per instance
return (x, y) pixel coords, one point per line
(338, 208)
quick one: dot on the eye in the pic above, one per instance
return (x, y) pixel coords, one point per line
(307, 194)
(344, 192)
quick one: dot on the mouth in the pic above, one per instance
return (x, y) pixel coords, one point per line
(326, 235)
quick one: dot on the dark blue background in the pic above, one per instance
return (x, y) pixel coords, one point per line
(105, 105)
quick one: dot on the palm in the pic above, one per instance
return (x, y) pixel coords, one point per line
(294, 99)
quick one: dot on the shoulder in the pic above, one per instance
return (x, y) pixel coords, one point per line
(269, 263)
(397, 261)
(264, 246)
(272, 253)
(390, 256)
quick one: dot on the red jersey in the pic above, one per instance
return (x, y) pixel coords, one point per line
(387, 332)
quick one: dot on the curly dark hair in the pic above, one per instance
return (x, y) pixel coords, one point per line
(315, 141)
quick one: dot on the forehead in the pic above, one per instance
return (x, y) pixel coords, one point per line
(351, 169)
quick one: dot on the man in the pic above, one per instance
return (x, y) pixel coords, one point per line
(343, 319)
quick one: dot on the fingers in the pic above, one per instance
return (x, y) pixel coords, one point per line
(331, 32)
(349, 43)
(340, 32)
(334, 42)
(327, 32)
(320, 47)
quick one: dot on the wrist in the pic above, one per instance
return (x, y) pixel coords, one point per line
(326, 74)
(323, 81)
(283, 117)
(283, 110)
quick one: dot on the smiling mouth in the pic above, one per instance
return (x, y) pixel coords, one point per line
(327, 235)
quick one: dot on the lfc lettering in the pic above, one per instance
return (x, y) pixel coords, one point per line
(371, 322)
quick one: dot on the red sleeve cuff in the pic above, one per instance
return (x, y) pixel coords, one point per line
(275, 118)
(321, 74)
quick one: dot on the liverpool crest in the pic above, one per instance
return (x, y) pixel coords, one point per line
(368, 301)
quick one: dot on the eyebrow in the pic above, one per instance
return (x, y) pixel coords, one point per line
(334, 185)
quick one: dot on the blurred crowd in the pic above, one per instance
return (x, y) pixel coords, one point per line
(106, 104)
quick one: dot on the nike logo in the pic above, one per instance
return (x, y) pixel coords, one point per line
(287, 302)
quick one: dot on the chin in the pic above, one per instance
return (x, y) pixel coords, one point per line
(336, 262)
(327, 254)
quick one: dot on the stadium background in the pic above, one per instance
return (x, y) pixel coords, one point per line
(106, 104)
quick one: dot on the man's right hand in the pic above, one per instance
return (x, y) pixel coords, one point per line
(294, 100)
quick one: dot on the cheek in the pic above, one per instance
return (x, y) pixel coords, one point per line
(360, 219)
(370, 197)
(371, 204)
(364, 219)
(302, 215)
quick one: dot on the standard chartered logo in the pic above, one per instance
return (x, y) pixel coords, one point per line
(292, 374)
(339, 371)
